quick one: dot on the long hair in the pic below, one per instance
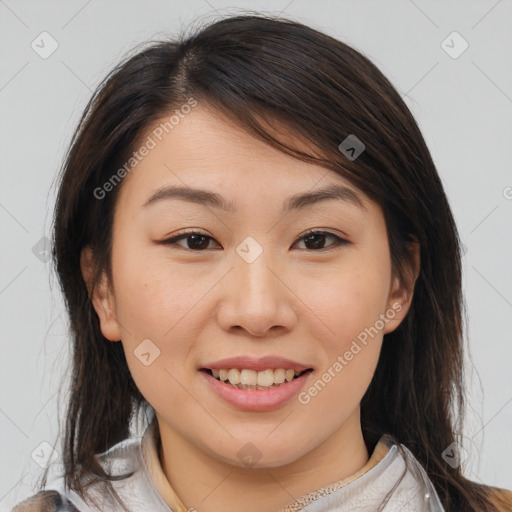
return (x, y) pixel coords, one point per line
(257, 70)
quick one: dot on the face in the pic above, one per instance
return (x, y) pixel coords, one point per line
(195, 283)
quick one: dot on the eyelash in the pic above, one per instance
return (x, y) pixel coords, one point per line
(184, 235)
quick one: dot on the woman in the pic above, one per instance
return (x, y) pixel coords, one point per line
(306, 353)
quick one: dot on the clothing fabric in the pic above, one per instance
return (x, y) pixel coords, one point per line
(392, 479)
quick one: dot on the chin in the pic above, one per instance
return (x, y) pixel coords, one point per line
(260, 453)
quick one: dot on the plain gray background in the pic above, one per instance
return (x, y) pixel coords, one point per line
(463, 104)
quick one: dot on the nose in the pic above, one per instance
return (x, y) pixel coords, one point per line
(257, 298)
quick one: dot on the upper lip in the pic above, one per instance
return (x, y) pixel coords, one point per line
(257, 364)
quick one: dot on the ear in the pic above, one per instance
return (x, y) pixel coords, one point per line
(101, 297)
(401, 290)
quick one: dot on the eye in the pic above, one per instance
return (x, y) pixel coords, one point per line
(317, 239)
(198, 242)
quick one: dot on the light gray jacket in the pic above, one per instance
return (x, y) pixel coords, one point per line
(398, 477)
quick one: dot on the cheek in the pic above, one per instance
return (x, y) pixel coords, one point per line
(349, 307)
(351, 301)
(351, 347)
(153, 296)
(156, 302)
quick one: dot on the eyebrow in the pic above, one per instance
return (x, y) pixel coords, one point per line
(295, 202)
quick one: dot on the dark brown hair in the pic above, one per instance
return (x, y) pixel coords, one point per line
(259, 69)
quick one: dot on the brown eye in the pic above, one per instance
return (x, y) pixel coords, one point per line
(315, 240)
(196, 241)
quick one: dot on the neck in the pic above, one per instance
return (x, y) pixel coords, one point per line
(208, 484)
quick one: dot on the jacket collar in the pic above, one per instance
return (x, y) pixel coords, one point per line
(150, 444)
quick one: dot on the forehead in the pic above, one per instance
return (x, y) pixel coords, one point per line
(205, 150)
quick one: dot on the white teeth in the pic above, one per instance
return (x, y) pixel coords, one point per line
(234, 376)
(251, 379)
(266, 378)
(279, 376)
(247, 377)
(289, 375)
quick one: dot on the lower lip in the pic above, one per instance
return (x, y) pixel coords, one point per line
(257, 399)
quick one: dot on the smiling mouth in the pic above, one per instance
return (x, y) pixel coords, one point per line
(252, 379)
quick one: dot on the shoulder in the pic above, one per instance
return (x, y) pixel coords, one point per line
(501, 498)
(121, 461)
(45, 501)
